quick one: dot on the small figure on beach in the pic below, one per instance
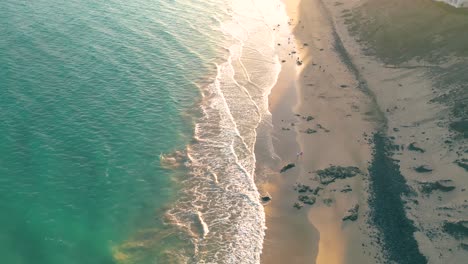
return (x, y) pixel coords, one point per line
(299, 154)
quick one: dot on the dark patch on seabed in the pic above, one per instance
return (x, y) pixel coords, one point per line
(387, 186)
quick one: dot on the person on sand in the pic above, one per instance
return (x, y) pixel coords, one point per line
(299, 154)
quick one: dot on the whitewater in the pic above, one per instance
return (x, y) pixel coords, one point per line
(219, 209)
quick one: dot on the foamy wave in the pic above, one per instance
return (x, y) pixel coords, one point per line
(220, 208)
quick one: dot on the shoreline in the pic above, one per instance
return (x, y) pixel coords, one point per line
(322, 84)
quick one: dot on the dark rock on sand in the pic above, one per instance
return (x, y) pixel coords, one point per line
(343, 86)
(266, 198)
(464, 246)
(332, 173)
(413, 147)
(346, 189)
(463, 163)
(457, 229)
(310, 131)
(317, 190)
(423, 169)
(309, 118)
(352, 213)
(298, 205)
(302, 188)
(307, 199)
(328, 201)
(429, 187)
(287, 167)
(323, 128)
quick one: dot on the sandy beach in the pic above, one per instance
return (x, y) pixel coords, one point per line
(329, 101)
(317, 111)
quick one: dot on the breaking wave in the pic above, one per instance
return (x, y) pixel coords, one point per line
(219, 209)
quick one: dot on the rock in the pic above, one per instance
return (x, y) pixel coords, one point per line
(429, 187)
(310, 131)
(266, 198)
(302, 188)
(307, 199)
(457, 229)
(317, 190)
(343, 86)
(352, 214)
(299, 62)
(423, 169)
(346, 189)
(328, 201)
(321, 127)
(332, 173)
(287, 167)
(413, 147)
(464, 246)
(463, 163)
(309, 118)
(298, 205)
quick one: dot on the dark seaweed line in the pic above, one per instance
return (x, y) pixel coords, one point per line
(387, 185)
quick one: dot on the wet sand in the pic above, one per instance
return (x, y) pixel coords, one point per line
(324, 88)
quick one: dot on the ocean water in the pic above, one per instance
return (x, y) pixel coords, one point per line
(128, 129)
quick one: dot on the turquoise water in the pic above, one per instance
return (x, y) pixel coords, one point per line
(91, 93)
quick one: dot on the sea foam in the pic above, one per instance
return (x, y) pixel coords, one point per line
(220, 208)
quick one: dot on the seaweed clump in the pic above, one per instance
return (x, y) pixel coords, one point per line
(333, 173)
